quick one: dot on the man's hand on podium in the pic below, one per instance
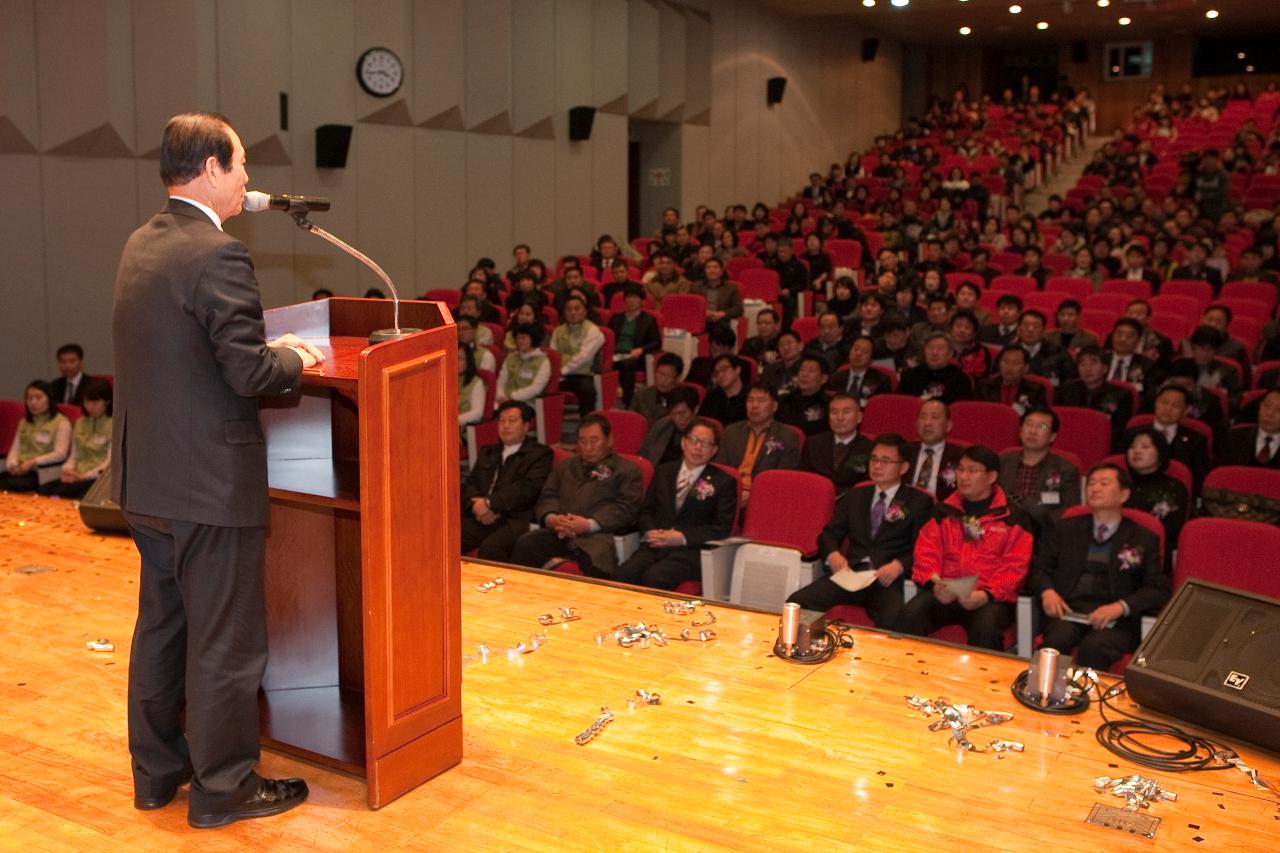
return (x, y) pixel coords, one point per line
(311, 356)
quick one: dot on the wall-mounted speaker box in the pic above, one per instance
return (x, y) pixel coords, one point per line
(332, 143)
(774, 87)
(869, 49)
(580, 121)
(1211, 660)
(1080, 52)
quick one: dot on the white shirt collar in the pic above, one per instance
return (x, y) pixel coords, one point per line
(691, 473)
(841, 442)
(889, 493)
(509, 450)
(1263, 438)
(208, 211)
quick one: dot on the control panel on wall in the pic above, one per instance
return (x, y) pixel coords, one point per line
(380, 72)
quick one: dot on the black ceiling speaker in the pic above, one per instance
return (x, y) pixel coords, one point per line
(1080, 52)
(580, 121)
(773, 89)
(332, 142)
(869, 49)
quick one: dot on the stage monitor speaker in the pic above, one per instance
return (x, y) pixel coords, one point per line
(773, 89)
(580, 121)
(869, 49)
(1211, 660)
(332, 143)
(98, 511)
(1080, 52)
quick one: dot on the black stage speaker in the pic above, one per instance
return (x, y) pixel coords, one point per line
(1211, 660)
(773, 89)
(1080, 52)
(98, 511)
(332, 142)
(580, 121)
(869, 48)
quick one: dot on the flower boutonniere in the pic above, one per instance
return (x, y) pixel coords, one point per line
(933, 391)
(1053, 483)
(948, 476)
(973, 527)
(1110, 407)
(1021, 404)
(704, 490)
(813, 413)
(894, 513)
(1163, 509)
(601, 472)
(772, 446)
(1130, 558)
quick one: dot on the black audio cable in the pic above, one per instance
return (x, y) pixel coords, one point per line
(1074, 705)
(836, 635)
(1128, 738)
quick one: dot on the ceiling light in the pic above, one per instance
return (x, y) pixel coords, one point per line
(1015, 9)
(1102, 4)
(1042, 25)
(1240, 55)
(899, 3)
(1124, 22)
(868, 3)
(964, 31)
(1249, 68)
(1211, 14)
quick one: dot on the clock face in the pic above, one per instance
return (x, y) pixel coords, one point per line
(380, 72)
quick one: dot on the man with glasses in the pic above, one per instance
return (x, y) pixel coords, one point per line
(690, 502)
(1041, 482)
(879, 521)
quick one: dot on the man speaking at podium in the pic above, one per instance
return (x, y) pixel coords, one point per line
(190, 472)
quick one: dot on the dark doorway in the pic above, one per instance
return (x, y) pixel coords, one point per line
(633, 190)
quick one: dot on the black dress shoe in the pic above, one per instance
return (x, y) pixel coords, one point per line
(159, 801)
(272, 797)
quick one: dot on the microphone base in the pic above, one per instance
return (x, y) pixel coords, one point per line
(383, 335)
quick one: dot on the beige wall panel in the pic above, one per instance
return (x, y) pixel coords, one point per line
(269, 235)
(671, 61)
(695, 184)
(642, 54)
(724, 107)
(609, 177)
(533, 62)
(608, 50)
(574, 71)
(748, 95)
(573, 188)
(440, 193)
(488, 60)
(19, 92)
(697, 63)
(489, 224)
(438, 63)
(86, 70)
(533, 188)
(389, 24)
(25, 351)
(386, 225)
(253, 67)
(166, 31)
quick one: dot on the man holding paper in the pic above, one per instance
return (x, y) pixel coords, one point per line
(880, 520)
(971, 557)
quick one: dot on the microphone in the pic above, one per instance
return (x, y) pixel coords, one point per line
(255, 201)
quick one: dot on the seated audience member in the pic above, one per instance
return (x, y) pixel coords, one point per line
(1259, 445)
(1151, 343)
(724, 302)
(896, 351)
(721, 340)
(793, 278)
(1009, 385)
(619, 280)
(652, 400)
(1208, 373)
(1092, 390)
(90, 444)
(759, 443)
(1219, 317)
(933, 459)
(321, 293)
(726, 401)
(1196, 266)
(1032, 266)
(1135, 260)
(478, 309)
(43, 439)
(521, 254)
(829, 344)
(1202, 404)
(972, 357)
(690, 502)
(843, 302)
(665, 279)
(1069, 335)
(499, 493)
(662, 441)
(1123, 362)
(1185, 444)
(1047, 360)
(781, 374)
(840, 453)
(936, 378)
(871, 311)
(1004, 330)
(578, 340)
(470, 390)
(525, 291)
(586, 499)
(525, 315)
(635, 335)
(974, 533)
(1035, 478)
(979, 265)
(806, 406)
(859, 378)
(70, 384)
(967, 295)
(1152, 489)
(764, 346)
(526, 370)
(879, 521)
(1104, 567)
(467, 340)
(937, 318)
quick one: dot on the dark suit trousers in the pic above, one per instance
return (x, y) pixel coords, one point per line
(200, 640)
(28, 482)
(493, 541)
(882, 603)
(661, 568)
(536, 547)
(1094, 649)
(582, 387)
(627, 377)
(985, 626)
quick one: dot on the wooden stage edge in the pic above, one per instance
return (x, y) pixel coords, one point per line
(745, 753)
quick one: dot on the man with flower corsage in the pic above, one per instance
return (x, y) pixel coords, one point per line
(1097, 574)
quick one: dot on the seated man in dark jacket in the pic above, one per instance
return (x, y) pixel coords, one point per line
(635, 334)
(840, 454)
(1009, 385)
(662, 443)
(499, 493)
(937, 378)
(1097, 574)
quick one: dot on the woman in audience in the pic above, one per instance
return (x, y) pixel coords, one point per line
(527, 370)
(991, 235)
(469, 340)
(90, 444)
(43, 438)
(525, 315)
(973, 357)
(729, 248)
(470, 390)
(819, 263)
(1154, 490)
(844, 299)
(932, 284)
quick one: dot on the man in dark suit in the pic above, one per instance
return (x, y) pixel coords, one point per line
(499, 493)
(190, 472)
(1257, 446)
(662, 443)
(806, 406)
(635, 334)
(726, 401)
(1195, 266)
(1004, 330)
(1102, 568)
(70, 384)
(1008, 385)
(1123, 362)
(1135, 260)
(858, 377)
(1045, 359)
(690, 502)
(937, 377)
(759, 443)
(840, 454)
(880, 521)
(587, 498)
(1091, 390)
(1185, 444)
(933, 459)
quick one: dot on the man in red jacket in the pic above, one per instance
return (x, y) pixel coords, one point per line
(975, 534)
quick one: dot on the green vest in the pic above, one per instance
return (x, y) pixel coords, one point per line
(522, 370)
(38, 437)
(91, 438)
(464, 395)
(567, 341)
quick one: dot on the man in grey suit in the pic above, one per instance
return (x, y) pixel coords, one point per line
(759, 443)
(190, 472)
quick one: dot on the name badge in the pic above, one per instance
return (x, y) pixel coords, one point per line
(526, 373)
(43, 435)
(99, 440)
(1050, 498)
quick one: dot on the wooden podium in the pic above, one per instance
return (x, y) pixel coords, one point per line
(363, 563)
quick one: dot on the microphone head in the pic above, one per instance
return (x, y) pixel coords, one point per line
(255, 201)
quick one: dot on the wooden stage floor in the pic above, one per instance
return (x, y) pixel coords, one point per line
(745, 752)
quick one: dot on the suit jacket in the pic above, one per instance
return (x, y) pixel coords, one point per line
(708, 510)
(512, 487)
(1141, 371)
(1239, 448)
(1061, 560)
(191, 360)
(781, 448)
(895, 539)
(991, 334)
(873, 382)
(647, 336)
(948, 384)
(58, 390)
(609, 492)
(950, 459)
(807, 412)
(1081, 338)
(658, 439)
(1111, 399)
(650, 402)
(989, 390)
(819, 457)
(1055, 476)
(1052, 361)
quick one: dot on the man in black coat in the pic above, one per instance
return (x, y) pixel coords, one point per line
(840, 454)
(1047, 360)
(662, 443)
(499, 493)
(190, 472)
(635, 334)
(806, 406)
(1008, 385)
(858, 377)
(933, 459)
(1092, 390)
(1257, 446)
(689, 503)
(880, 522)
(72, 380)
(1097, 574)
(937, 378)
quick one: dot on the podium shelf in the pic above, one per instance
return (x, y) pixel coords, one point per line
(320, 724)
(325, 482)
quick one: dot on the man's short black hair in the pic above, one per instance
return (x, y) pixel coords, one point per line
(686, 394)
(189, 140)
(1130, 323)
(1175, 387)
(1009, 299)
(1122, 476)
(1034, 312)
(984, 456)
(671, 360)
(633, 290)
(1208, 336)
(1226, 312)
(1090, 351)
(818, 360)
(1042, 410)
(596, 420)
(768, 389)
(892, 439)
(75, 348)
(722, 334)
(533, 331)
(526, 411)
(1072, 304)
(663, 253)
